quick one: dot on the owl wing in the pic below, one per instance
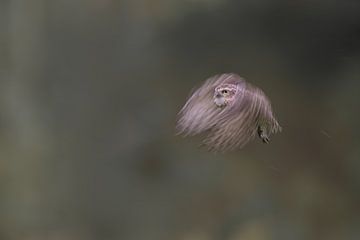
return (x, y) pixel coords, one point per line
(239, 124)
(199, 112)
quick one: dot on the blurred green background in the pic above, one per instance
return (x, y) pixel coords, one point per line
(89, 92)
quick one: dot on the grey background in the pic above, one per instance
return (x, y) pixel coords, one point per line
(89, 92)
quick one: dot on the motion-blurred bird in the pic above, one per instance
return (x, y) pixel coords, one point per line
(229, 111)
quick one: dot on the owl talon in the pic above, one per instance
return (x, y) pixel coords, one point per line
(263, 135)
(265, 139)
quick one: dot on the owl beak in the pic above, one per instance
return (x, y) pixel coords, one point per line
(219, 101)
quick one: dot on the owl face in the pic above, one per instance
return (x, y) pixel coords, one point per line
(224, 94)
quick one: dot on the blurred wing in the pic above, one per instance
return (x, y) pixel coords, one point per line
(199, 112)
(239, 125)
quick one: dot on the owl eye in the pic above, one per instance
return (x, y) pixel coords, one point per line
(224, 91)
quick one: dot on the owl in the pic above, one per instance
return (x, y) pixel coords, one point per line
(229, 112)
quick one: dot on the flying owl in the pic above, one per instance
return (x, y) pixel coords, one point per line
(229, 111)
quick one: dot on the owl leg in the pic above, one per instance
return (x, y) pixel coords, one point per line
(263, 134)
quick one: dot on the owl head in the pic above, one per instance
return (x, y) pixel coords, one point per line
(224, 94)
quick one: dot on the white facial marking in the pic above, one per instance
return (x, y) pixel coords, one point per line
(223, 95)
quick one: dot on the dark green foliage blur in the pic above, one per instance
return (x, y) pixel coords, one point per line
(89, 94)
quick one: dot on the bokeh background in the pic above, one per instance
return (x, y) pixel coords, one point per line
(89, 92)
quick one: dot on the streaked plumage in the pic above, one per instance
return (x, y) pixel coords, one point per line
(229, 111)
